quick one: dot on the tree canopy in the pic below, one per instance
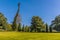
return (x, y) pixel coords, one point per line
(3, 21)
(56, 23)
(36, 23)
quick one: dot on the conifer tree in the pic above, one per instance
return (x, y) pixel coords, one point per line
(16, 20)
(46, 27)
(50, 29)
(19, 27)
(23, 28)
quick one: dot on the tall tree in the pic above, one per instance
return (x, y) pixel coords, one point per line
(19, 27)
(56, 23)
(50, 29)
(14, 26)
(26, 28)
(46, 27)
(23, 28)
(3, 21)
(16, 19)
(36, 23)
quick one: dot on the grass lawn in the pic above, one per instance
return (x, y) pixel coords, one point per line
(29, 36)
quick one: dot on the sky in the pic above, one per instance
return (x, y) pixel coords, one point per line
(46, 9)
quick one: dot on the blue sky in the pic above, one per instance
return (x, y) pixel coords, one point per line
(46, 9)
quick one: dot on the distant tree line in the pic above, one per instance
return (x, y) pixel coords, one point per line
(37, 25)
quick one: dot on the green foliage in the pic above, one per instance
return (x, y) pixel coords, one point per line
(14, 25)
(19, 27)
(16, 20)
(46, 27)
(50, 29)
(9, 27)
(39, 29)
(3, 21)
(23, 28)
(27, 28)
(36, 23)
(56, 23)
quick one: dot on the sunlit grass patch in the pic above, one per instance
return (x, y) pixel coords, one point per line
(29, 36)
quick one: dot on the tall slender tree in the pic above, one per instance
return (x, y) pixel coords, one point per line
(23, 28)
(50, 29)
(17, 19)
(46, 27)
(19, 27)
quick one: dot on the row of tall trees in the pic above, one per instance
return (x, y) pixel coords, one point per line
(37, 25)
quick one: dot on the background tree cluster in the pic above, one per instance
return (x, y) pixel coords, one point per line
(37, 25)
(3, 22)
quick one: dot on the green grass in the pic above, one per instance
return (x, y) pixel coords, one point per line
(29, 36)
